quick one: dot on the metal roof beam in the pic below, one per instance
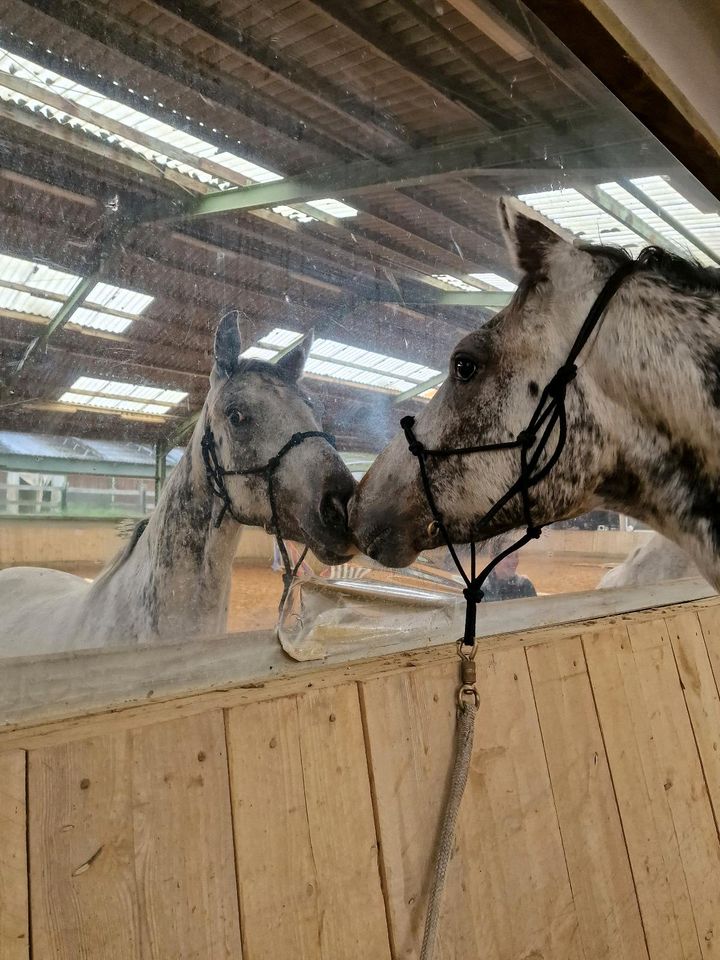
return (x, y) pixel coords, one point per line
(420, 388)
(540, 146)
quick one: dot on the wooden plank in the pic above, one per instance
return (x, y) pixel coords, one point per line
(683, 780)
(507, 892)
(304, 832)
(131, 846)
(224, 673)
(600, 875)
(14, 939)
(710, 624)
(82, 877)
(701, 696)
(639, 779)
(40, 691)
(183, 845)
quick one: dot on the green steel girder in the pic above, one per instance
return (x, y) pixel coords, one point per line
(540, 146)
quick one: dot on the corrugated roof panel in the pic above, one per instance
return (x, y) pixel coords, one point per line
(635, 206)
(705, 226)
(27, 303)
(44, 79)
(493, 281)
(100, 321)
(335, 208)
(581, 216)
(119, 298)
(122, 396)
(37, 275)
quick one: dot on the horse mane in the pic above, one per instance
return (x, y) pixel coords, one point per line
(683, 273)
(123, 555)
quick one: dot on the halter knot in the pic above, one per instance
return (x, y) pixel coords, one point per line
(534, 533)
(416, 448)
(559, 383)
(473, 593)
(526, 439)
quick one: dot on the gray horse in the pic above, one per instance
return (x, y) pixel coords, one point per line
(172, 579)
(643, 412)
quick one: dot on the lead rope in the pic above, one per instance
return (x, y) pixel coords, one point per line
(531, 443)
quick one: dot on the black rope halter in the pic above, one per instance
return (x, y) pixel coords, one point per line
(216, 474)
(532, 443)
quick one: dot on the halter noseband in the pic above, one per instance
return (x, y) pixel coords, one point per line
(532, 443)
(216, 474)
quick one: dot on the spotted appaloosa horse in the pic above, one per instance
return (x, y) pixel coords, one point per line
(173, 578)
(643, 412)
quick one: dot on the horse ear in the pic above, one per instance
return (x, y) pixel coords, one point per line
(292, 364)
(228, 344)
(529, 236)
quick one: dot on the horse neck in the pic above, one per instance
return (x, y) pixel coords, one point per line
(178, 576)
(656, 404)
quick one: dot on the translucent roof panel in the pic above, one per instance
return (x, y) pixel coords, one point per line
(37, 275)
(493, 281)
(456, 283)
(581, 216)
(336, 208)
(77, 93)
(117, 395)
(704, 226)
(290, 213)
(352, 365)
(15, 272)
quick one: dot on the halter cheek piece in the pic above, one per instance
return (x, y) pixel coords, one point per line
(216, 474)
(532, 443)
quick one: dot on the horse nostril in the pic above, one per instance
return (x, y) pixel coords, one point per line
(333, 510)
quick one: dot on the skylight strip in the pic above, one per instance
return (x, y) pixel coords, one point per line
(44, 79)
(122, 397)
(455, 283)
(493, 281)
(705, 226)
(574, 212)
(346, 363)
(635, 206)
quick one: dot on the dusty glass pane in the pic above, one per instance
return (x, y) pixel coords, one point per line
(317, 167)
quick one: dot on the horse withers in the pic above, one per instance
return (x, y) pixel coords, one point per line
(172, 580)
(643, 412)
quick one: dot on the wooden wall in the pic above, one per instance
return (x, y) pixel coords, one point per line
(66, 542)
(299, 821)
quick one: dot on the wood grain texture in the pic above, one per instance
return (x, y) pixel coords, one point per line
(701, 696)
(683, 779)
(131, 846)
(598, 864)
(14, 920)
(82, 873)
(304, 831)
(633, 710)
(507, 891)
(182, 830)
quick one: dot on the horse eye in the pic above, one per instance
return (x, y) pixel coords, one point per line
(236, 418)
(465, 368)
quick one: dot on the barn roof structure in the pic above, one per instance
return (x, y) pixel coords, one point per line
(317, 164)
